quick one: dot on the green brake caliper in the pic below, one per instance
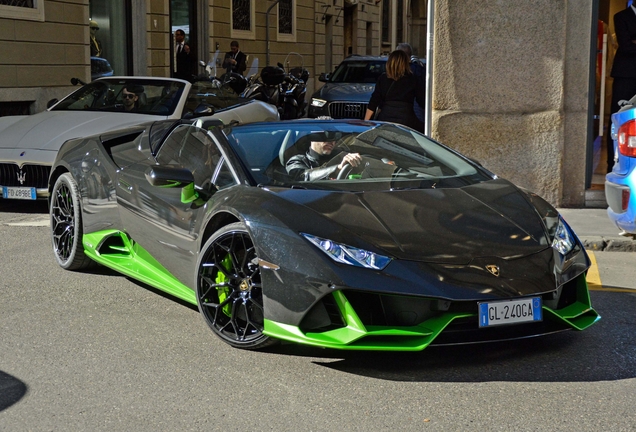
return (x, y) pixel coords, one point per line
(224, 291)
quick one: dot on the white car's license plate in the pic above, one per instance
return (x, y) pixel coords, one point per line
(25, 193)
(510, 312)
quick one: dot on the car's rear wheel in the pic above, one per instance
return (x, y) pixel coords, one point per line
(228, 288)
(66, 224)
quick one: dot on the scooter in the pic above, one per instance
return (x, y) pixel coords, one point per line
(232, 80)
(267, 87)
(286, 90)
(294, 88)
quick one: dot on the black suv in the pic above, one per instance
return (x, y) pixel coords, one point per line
(347, 90)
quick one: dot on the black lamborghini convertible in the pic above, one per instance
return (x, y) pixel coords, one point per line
(340, 234)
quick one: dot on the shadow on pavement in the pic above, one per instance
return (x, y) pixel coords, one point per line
(11, 390)
(604, 352)
(23, 206)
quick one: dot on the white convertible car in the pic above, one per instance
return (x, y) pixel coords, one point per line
(29, 144)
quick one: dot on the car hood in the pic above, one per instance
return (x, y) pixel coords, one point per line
(451, 226)
(345, 92)
(49, 129)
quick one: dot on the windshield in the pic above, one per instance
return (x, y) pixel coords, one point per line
(362, 71)
(159, 97)
(391, 157)
(215, 93)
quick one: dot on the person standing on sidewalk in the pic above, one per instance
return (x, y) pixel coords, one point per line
(235, 59)
(182, 58)
(396, 90)
(420, 73)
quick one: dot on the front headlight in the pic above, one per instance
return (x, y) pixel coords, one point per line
(563, 240)
(318, 102)
(348, 254)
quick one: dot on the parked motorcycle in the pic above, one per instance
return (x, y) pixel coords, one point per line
(284, 89)
(267, 87)
(228, 79)
(294, 88)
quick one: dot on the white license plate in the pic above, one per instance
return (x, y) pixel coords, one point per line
(25, 193)
(510, 312)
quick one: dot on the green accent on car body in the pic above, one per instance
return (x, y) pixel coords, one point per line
(580, 314)
(116, 250)
(356, 336)
(188, 194)
(224, 291)
(127, 257)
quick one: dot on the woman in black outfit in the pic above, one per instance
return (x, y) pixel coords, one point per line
(395, 92)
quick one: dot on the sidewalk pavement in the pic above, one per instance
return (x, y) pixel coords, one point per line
(615, 271)
(595, 230)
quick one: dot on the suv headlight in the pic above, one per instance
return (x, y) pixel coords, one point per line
(563, 240)
(348, 254)
(318, 102)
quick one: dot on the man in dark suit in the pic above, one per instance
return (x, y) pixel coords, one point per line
(624, 68)
(182, 57)
(235, 59)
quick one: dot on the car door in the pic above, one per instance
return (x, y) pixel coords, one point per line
(155, 217)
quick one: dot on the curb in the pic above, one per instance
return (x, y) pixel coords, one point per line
(609, 244)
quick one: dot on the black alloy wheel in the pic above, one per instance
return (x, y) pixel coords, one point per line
(66, 225)
(229, 290)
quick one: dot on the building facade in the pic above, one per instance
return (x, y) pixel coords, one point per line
(509, 86)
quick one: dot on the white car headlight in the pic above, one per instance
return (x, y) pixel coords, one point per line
(318, 102)
(563, 240)
(348, 254)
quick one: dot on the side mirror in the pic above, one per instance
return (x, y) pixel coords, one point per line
(203, 109)
(76, 81)
(169, 176)
(52, 102)
(324, 77)
(200, 111)
(173, 177)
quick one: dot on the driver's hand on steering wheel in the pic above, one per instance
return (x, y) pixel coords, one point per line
(352, 159)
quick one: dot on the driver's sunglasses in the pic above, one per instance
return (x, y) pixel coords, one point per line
(128, 95)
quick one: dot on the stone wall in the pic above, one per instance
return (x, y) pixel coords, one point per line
(510, 90)
(41, 53)
(158, 37)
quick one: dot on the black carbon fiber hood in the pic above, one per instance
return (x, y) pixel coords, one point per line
(454, 225)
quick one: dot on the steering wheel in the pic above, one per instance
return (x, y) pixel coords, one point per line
(347, 168)
(344, 171)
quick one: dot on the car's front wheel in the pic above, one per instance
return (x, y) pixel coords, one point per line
(229, 290)
(66, 224)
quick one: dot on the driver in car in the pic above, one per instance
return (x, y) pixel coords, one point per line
(313, 165)
(130, 96)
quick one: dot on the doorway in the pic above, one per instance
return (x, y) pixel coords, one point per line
(183, 15)
(110, 37)
(417, 26)
(605, 47)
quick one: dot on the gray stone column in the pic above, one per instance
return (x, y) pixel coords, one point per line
(510, 89)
